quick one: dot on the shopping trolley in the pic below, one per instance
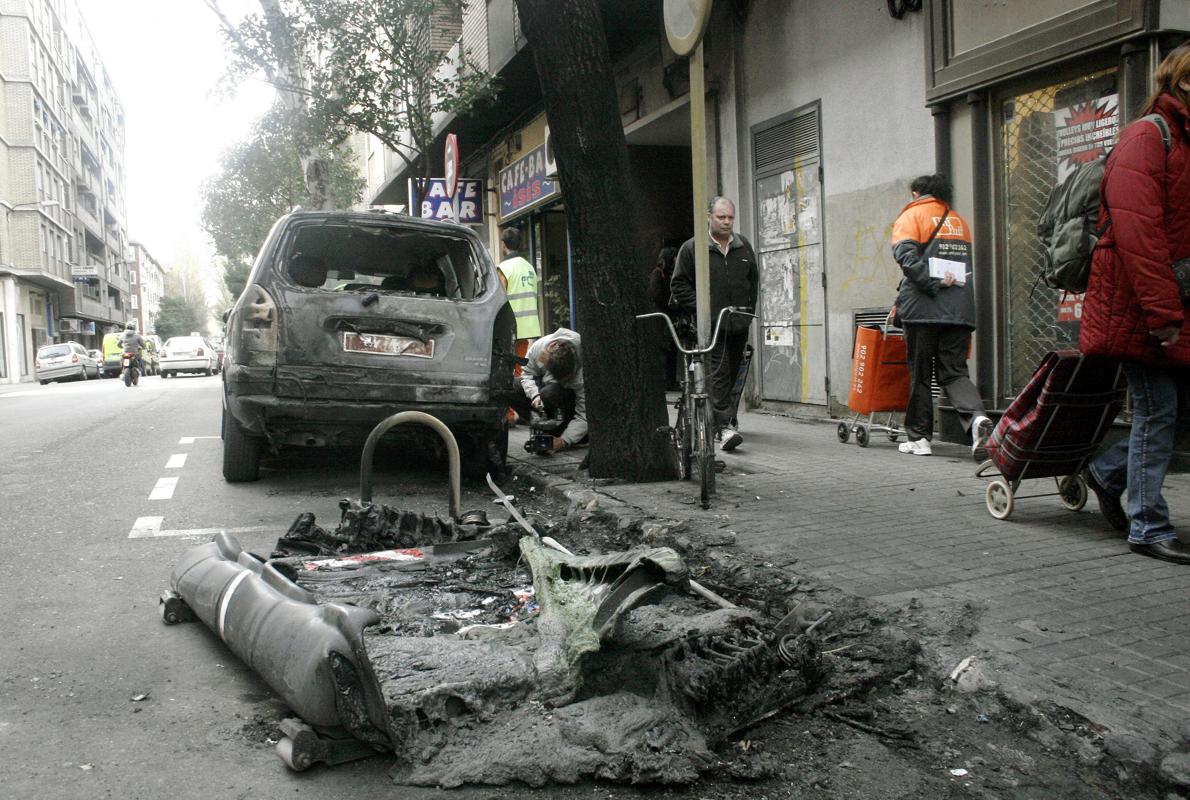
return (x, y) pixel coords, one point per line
(1052, 429)
(879, 384)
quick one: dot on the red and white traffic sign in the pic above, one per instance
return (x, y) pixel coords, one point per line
(451, 171)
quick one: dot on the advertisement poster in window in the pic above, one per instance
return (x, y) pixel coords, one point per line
(1083, 132)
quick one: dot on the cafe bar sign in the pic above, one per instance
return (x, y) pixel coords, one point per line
(524, 185)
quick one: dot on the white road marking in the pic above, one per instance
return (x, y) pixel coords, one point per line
(164, 489)
(145, 526)
(150, 528)
(191, 439)
(176, 461)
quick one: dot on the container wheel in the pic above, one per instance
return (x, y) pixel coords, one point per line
(861, 435)
(843, 432)
(1072, 490)
(999, 499)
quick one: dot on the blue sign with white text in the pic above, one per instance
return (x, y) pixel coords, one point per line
(523, 184)
(437, 204)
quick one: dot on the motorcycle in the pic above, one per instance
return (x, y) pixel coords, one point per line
(130, 371)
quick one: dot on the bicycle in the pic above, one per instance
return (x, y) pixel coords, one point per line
(691, 436)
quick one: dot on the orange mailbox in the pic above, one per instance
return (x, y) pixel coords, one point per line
(879, 371)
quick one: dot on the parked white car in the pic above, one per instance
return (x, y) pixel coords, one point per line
(187, 354)
(64, 361)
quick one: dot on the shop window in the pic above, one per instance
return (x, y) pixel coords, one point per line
(1044, 134)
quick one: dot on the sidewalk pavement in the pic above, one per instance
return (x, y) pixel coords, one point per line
(1059, 609)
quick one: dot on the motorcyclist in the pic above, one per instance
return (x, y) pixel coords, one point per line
(133, 342)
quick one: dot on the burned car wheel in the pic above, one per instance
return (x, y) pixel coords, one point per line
(241, 452)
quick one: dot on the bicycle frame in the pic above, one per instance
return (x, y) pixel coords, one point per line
(693, 435)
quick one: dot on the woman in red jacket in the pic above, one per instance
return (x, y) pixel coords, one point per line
(1133, 310)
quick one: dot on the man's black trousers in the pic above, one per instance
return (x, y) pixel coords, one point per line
(557, 399)
(722, 367)
(939, 350)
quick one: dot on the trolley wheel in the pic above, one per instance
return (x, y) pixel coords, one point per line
(1073, 492)
(893, 436)
(296, 761)
(843, 432)
(861, 435)
(999, 499)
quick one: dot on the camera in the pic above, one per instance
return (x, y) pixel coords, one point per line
(542, 431)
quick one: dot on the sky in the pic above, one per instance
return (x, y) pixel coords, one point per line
(165, 58)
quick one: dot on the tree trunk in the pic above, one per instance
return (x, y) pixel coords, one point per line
(289, 72)
(621, 360)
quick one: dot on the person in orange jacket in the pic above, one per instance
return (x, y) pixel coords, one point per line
(936, 307)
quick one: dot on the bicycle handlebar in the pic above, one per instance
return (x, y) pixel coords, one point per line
(714, 337)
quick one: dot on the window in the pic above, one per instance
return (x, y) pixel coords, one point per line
(132, 277)
(135, 301)
(1041, 141)
(386, 258)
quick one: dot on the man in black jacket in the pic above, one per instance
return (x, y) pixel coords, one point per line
(734, 282)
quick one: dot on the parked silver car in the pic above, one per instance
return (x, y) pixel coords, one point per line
(64, 361)
(187, 354)
(348, 318)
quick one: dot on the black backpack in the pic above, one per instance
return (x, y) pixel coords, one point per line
(1068, 228)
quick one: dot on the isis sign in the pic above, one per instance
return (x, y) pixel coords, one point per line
(524, 184)
(438, 203)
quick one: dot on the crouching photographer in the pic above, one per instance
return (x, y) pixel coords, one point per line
(553, 395)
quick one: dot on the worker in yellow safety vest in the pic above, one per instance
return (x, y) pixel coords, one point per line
(519, 279)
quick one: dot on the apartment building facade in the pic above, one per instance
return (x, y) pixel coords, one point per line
(820, 114)
(146, 279)
(64, 258)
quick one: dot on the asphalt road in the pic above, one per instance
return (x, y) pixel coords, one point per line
(104, 487)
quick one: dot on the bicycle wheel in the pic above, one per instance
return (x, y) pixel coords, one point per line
(682, 442)
(704, 453)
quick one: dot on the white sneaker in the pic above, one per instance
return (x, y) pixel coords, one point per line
(921, 447)
(731, 440)
(981, 429)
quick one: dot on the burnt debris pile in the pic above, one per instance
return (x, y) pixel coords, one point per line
(501, 657)
(490, 653)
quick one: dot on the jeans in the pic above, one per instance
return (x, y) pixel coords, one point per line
(1140, 461)
(938, 350)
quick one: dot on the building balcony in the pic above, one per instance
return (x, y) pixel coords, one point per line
(86, 216)
(86, 136)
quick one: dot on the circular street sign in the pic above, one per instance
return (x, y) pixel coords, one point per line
(685, 23)
(451, 170)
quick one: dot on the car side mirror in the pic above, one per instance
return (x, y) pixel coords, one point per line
(226, 314)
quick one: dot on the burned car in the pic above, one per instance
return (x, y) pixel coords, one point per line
(348, 318)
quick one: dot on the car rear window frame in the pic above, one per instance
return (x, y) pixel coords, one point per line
(285, 251)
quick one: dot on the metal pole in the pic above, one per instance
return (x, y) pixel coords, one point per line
(698, 162)
(702, 266)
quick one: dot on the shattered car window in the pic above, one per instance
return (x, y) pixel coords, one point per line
(361, 257)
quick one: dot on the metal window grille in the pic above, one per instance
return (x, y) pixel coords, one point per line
(1037, 318)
